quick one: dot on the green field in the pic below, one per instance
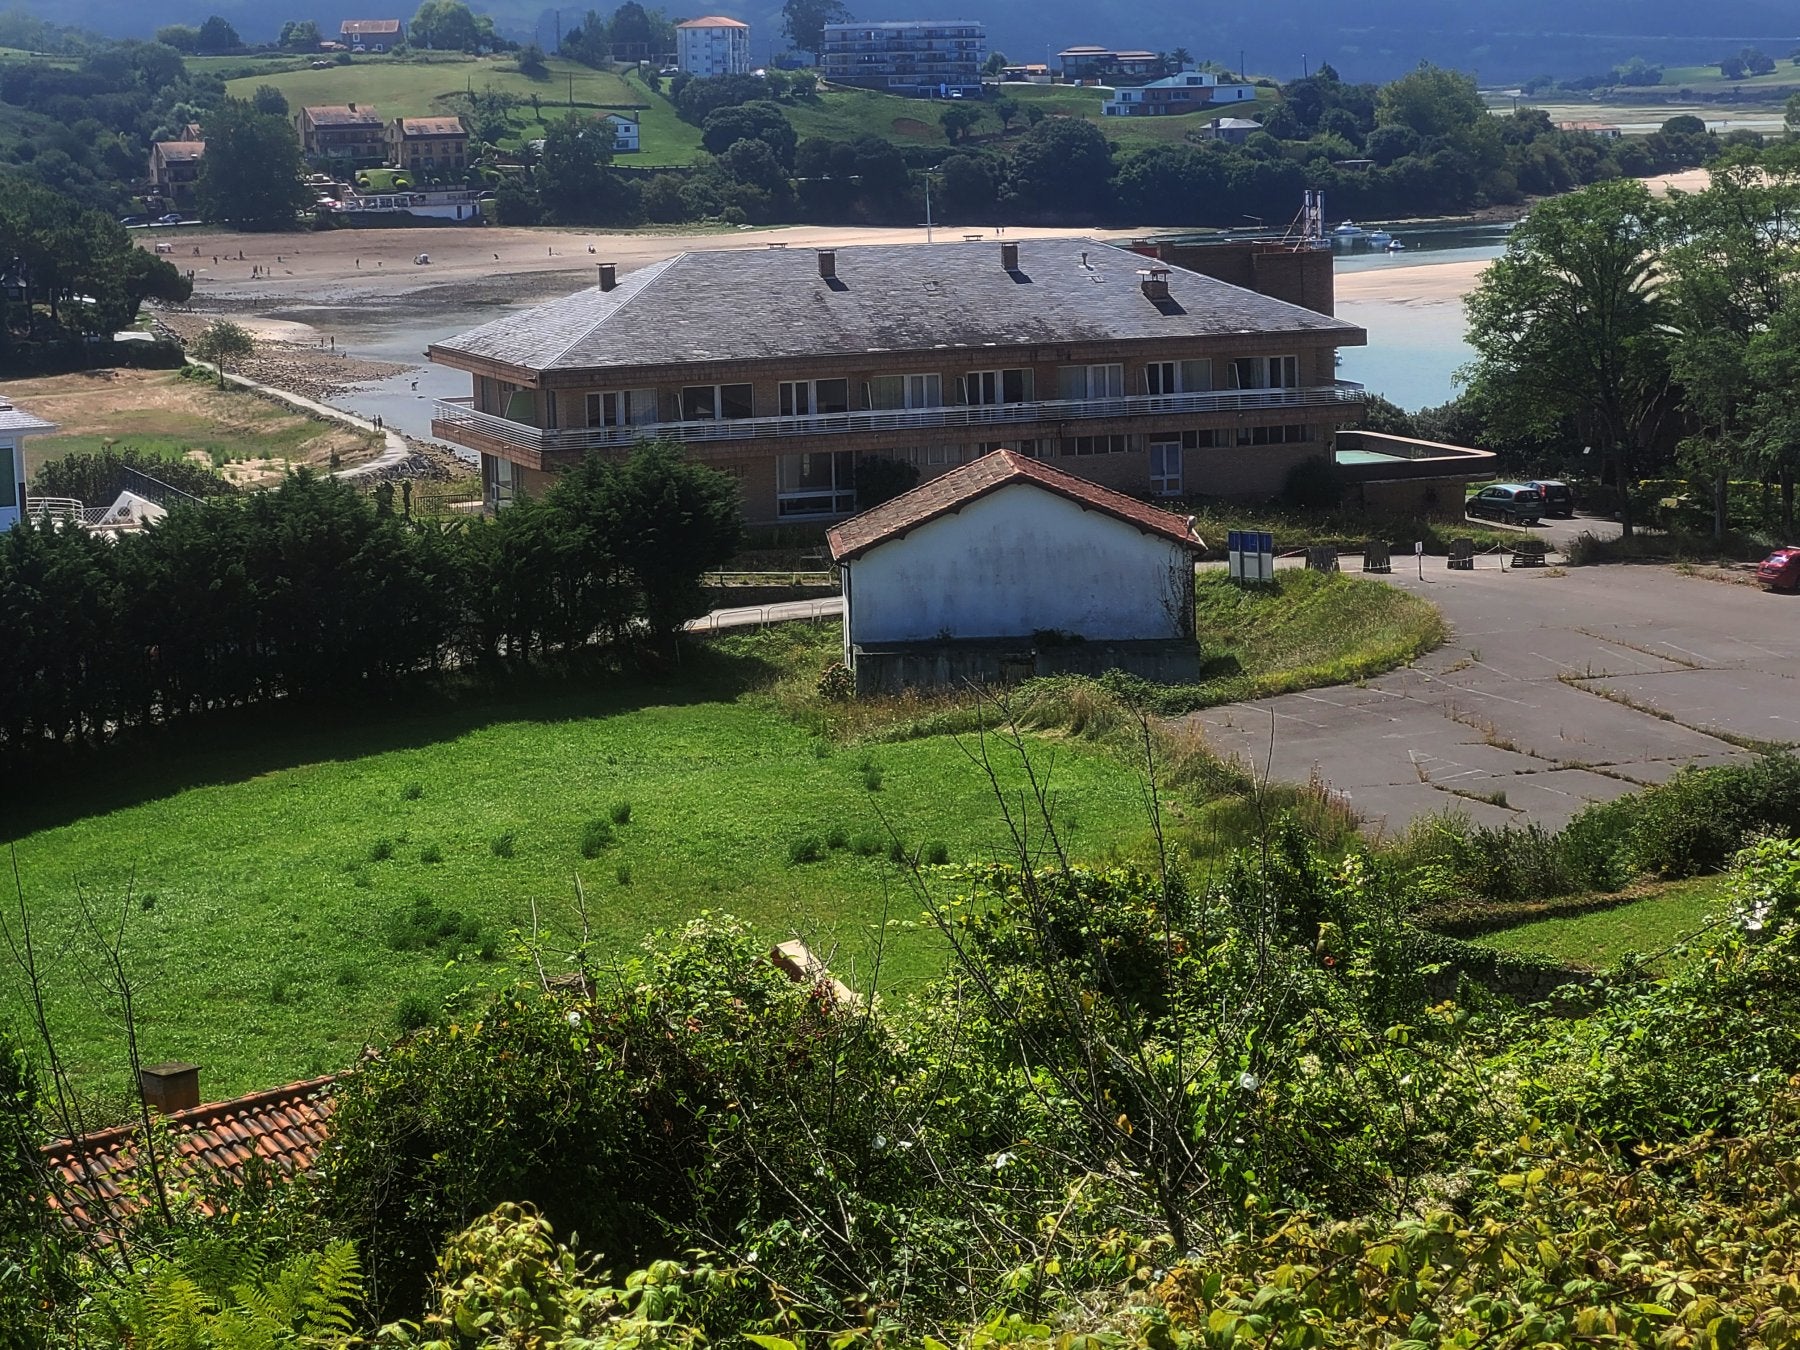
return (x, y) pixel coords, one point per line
(268, 873)
(1785, 75)
(412, 89)
(1600, 939)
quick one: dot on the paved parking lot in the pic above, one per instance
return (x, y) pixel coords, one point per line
(1554, 690)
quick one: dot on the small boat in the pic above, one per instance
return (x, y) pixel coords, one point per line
(1347, 232)
(1395, 246)
(1378, 238)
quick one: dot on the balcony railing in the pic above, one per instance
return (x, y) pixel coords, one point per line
(455, 415)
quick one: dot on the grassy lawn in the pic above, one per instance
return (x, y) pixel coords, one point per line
(411, 89)
(1308, 629)
(1785, 75)
(162, 414)
(1345, 530)
(1602, 938)
(277, 872)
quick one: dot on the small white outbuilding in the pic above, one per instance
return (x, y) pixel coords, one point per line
(1008, 567)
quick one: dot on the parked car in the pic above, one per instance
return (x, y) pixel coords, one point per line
(1780, 571)
(173, 218)
(1513, 503)
(132, 220)
(1559, 497)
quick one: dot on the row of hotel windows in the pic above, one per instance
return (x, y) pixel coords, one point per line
(813, 398)
(825, 483)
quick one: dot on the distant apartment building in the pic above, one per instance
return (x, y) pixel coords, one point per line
(371, 35)
(1103, 65)
(920, 58)
(428, 144)
(784, 368)
(342, 135)
(714, 45)
(1185, 92)
(175, 170)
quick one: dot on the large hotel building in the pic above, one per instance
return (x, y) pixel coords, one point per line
(784, 366)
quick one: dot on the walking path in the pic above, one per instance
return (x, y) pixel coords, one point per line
(395, 449)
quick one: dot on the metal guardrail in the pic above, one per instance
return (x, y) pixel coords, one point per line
(767, 579)
(55, 508)
(457, 414)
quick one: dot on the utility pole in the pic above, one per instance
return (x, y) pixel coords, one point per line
(558, 30)
(928, 174)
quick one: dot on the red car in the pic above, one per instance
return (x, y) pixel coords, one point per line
(1780, 571)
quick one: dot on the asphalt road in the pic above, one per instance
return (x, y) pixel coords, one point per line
(1554, 690)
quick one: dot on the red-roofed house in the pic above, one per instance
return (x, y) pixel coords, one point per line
(104, 1172)
(431, 144)
(175, 170)
(342, 134)
(1009, 567)
(713, 46)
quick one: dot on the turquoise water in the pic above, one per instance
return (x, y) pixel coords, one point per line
(1414, 349)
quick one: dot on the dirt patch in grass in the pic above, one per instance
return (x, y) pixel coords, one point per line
(250, 438)
(913, 129)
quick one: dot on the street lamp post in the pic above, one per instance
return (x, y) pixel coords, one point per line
(928, 174)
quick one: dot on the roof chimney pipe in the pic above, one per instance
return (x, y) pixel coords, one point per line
(609, 276)
(1155, 283)
(828, 263)
(170, 1087)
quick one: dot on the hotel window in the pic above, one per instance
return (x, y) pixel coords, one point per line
(716, 402)
(987, 387)
(1202, 440)
(806, 398)
(1096, 445)
(1165, 468)
(924, 391)
(1274, 435)
(1086, 382)
(9, 482)
(621, 408)
(1178, 377)
(1031, 449)
(816, 485)
(1265, 372)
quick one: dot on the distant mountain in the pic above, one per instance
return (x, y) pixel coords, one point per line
(1502, 40)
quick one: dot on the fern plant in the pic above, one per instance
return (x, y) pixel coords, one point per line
(185, 1303)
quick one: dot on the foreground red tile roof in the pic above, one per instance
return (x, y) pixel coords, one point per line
(284, 1126)
(949, 493)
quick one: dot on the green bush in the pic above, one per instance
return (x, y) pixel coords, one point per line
(620, 813)
(808, 848)
(424, 925)
(596, 838)
(412, 792)
(1696, 821)
(381, 850)
(413, 1012)
(431, 854)
(837, 838)
(504, 845)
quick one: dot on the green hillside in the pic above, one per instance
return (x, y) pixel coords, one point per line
(413, 89)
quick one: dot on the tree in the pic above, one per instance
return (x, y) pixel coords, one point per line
(1568, 326)
(532, 65)
(995, 63)
(218, 36)
(804, 21)
(1733, 68)
(1065, 165)
(223, 343)
(1005, 109)
(1444, 109)
(269, 100)
(957, 119)
(571, 174)
(299, 35)
(182, 37)
(252, 174)
(451, 26)
(1791, 115)
(1684, 124)
(758, 120)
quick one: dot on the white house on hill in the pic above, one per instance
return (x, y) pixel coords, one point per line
(713, 45)
(15, 426)
(1008, 567)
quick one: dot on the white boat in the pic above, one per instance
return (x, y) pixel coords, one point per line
(1347, 231)
(1378, 238)
(1395, 246)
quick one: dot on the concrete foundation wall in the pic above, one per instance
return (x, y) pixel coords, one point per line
(942, 665)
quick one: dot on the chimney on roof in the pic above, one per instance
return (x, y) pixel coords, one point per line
(1009, 257)
(828, 263)
(1155, 283)
(352, 107)
(170, 1087)
(609, 276)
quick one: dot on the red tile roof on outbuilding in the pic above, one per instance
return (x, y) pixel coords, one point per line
(949, 493)
(284, 1126)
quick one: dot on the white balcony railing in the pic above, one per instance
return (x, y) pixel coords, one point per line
(453, 415)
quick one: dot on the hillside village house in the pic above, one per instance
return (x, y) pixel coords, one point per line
(15, 426)
(1103, 65)
(714, 45)
(1182, 92)
(342, 135)
(782, 366)
(428, 144)
(371, 35)
(1011, 567)
(175, 170)
(624, 133)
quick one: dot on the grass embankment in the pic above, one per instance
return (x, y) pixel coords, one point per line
(407, 88)
(1599, 938)
(1346, 530)
(163, 414)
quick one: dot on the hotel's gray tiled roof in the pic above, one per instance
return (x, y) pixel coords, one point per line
(761, 304)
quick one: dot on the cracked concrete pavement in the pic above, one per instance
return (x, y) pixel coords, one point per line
(1554, 690)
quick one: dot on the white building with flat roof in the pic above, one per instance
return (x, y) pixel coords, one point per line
(714, 45)
(918, 58)
(15, 426)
